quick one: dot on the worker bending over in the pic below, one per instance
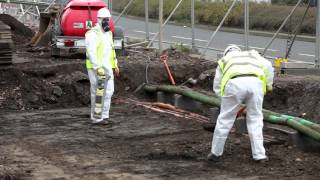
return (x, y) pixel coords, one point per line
(241, 77)
(101, 54)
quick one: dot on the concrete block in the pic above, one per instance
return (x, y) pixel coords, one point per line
(304, 143)
(296, 138)
(214, 113)
(186, 103)
(167, 98)
(240, 125)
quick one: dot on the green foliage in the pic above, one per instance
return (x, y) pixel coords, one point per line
(262, 16)
(180, 47)
(288, 2)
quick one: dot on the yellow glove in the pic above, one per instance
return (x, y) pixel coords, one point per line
(100, 72)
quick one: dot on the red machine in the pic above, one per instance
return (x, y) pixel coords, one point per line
(79, 16)
(65, 28)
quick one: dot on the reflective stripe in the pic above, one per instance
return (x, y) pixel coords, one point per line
(100, 49)
(238, 65)
(247, 56)
(241, 63)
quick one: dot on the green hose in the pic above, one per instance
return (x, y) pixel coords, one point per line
(302, 125)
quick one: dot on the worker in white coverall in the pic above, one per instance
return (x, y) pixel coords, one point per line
(101, 54)
(241, 77)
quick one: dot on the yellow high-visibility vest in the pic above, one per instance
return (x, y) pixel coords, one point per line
(243, 63)
(100, 49)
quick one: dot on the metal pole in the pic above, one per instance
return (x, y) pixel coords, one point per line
(146, 11)
(218, 28)
(124, 10)
(317, 53)
(24, 12)
(170, 15)
(280, 28)
(160, 25)
(110, 6)
(246, 24)
(192, 26)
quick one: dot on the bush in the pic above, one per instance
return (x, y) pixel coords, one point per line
(262, 16)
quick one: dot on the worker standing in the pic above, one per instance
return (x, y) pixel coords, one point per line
(241, 77)
(101, 57)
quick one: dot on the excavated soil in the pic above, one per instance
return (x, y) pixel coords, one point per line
(46, 134)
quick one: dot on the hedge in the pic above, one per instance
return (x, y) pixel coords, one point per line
(262, 16)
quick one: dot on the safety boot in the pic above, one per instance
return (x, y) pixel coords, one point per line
(262, 161)
(213, 158)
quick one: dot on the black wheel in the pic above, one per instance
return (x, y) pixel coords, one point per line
(119, 34)
(55, 52)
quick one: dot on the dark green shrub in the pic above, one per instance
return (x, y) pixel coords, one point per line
(262, 16)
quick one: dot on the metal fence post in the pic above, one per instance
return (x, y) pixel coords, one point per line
(280, 28)
(110, 5)
(218, 28)
(192, 26)
(317, 45)
(123, 11)
(246, 24)
(166, 21)
(146, 11)
(160, 24)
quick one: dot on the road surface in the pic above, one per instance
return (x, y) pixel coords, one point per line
(301, 51)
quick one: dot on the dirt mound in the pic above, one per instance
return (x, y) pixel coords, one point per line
(295, 96)
(55, 84)
(44, 85)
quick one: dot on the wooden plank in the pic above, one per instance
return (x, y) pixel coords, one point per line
(6, 41)
(5, 62)
(6, 49)
(3, 58)
(5, 52)
(5, 32)
(5, 36)
(5, 55)
(6, 45)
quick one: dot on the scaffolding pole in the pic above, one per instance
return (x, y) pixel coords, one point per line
(317, 45)
(123, 11)
(280, 28)
(218, 28)
(146, 11)
(110, 5)
(246, 24)
(160, 25)
(192, 27)
(167, 20)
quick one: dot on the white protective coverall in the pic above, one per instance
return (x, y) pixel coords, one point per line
(91, 45)
(247, 90)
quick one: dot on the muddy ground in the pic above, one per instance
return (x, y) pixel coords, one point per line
(46, 134)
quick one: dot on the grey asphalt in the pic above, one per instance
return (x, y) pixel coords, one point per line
(301, 51)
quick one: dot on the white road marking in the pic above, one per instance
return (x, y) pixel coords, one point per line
(274, 50)
(143, 32)
(180, 37)
(309, 55)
